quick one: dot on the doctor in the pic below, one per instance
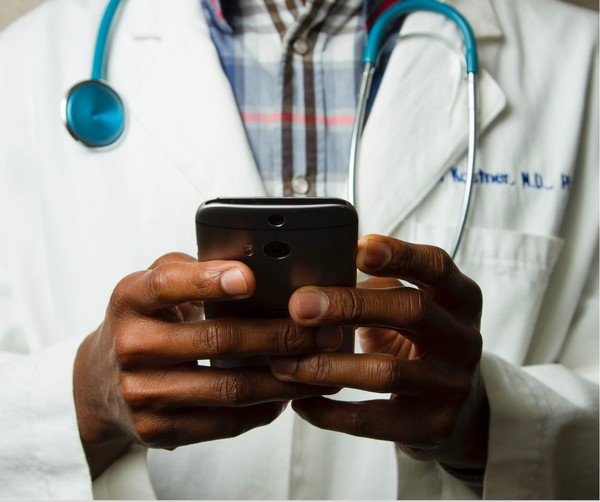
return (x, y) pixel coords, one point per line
(519, 420)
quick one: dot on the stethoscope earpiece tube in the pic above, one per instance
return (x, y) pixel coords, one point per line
(392, 13)
(92, 110)
(370, 60)
(471, 157)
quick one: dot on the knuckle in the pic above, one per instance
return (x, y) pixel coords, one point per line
(444, 269)
(353, 308)
(387, 374)
(128, 349)
(471, 347)
(120, 297)
(416, 303)
(321, 367)
(231, 389)
(144, 427)
(155, 431)
(460, 388)
(292, 338)
(215, 337)
(158, 283)
(442, 425)
(133, 392)
(360, 424)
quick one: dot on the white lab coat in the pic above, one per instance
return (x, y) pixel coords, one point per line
(73, 222)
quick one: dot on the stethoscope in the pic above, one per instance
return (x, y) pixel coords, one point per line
(94, 113)
(92, 110)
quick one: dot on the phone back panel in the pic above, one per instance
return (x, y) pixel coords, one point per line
(288, 243)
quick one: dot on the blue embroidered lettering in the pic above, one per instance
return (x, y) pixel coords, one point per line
(529, 179)
(457, 177)
(534, 180)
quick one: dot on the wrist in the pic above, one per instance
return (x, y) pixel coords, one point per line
(472, 436)
(100, 456)
(103, 442)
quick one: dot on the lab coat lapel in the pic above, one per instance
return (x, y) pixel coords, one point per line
(185, 102)
(418, 126)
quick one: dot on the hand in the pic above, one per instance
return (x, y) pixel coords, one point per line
(136, 378)
(420, 344)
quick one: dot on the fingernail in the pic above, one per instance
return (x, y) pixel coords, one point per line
(233, 282)
(328, 338)
(312, 304)
(285, 365)
(377, 254)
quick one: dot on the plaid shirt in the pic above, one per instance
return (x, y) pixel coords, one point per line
(295, 71)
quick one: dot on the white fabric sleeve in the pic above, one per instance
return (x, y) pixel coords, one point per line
(543, 440)
(544, 417)
(126, 479)
(41, 455)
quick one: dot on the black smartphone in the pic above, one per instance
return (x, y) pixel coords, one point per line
(288, 243)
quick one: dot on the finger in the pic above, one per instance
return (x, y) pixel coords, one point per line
(373, 372)
(204, 386)
(190, 311)
(173, 283)
(159, 344)
(193, 425)
(429, 267)
(409, 421)
(409, 310)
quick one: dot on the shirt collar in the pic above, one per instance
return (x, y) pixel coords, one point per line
(480, 14)
(219, 11)
(215, 11)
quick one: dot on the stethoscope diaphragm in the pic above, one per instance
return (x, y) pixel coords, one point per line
(94, 113)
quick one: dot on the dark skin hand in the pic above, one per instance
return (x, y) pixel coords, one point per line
(421, 345)
(136, 378)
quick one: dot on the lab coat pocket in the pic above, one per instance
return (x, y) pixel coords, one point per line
(513, 270)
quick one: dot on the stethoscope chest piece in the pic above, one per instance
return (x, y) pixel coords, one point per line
(94, 113)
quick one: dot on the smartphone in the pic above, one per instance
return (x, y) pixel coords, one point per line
(288, 243)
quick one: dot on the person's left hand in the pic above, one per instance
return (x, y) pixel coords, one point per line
(421, 344)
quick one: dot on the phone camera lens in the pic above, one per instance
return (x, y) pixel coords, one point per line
(276, 220)
(277, 250)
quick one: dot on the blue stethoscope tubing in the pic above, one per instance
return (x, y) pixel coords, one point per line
(92, 110)
(94, 113)
(370, 61)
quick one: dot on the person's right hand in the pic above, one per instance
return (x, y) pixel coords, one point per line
(136, 378)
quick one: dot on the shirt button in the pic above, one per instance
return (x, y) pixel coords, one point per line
(300, 185)
(301, 46)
